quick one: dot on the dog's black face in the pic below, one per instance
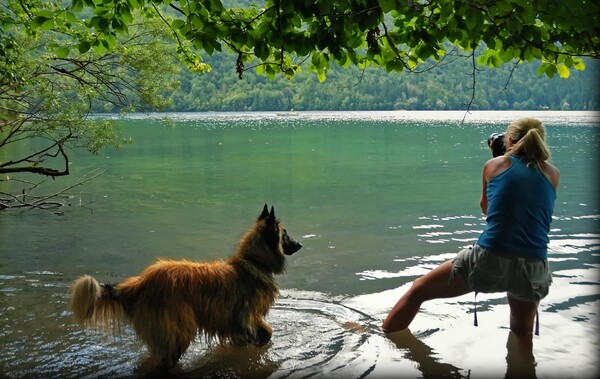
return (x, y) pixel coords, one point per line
(267, 243)
(275, 233)
(290, 246)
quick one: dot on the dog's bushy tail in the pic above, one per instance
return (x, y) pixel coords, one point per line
(95, 305)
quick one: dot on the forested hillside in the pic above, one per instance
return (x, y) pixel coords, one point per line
(445, 87)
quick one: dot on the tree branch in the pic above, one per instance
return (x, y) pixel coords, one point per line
(43, 202)
(8, 167)
(473, 82)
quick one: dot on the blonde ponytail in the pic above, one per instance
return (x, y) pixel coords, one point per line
(529, 141)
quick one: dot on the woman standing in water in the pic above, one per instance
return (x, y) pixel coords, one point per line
(518, 195)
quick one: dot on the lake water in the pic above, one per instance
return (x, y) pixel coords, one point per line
(376, 198)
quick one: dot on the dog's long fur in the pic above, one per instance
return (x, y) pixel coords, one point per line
(170, 301)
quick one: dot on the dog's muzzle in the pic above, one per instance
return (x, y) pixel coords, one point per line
(290, 246)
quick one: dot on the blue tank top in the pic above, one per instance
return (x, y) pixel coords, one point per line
(520, 206)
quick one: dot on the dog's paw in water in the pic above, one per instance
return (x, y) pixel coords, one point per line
(263, 335)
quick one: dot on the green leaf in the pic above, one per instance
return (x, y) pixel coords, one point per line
(496, 62)
(412, 63)
(177, 24)
(45, 14)
(473, 20)
(208, 47)
(84, 47)
(446, 10)
(99, 46)
(270, 71)
(537, 53)
(77, 5)
(343, 60)
(117, 24)
(197, 21)
(321, 75)
(48, 24)
(568, 62)
(296, 21)
(289, 73)
(216, 5)
(423, 51)
(578, 64)
(71, 17)
(482, 60)
(62, 52)
(316, 59)
(263, 28)
(261, 50)
(551, 71)
(198, 44)
(528, 13)
(528, 53)
(394, 65)
(126, 16)
(563, 71)
(508, 55)
(387, 5)
(38, 21)
(306, 47)
(542, 69)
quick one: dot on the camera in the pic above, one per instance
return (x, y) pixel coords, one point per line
(496, 143)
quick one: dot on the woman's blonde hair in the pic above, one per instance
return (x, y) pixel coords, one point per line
(529, 141)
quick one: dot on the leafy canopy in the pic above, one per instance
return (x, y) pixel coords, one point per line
(278, 35)
(50, 84)
(60, 59)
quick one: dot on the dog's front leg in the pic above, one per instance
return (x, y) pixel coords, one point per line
(263, 333)
(258, 336)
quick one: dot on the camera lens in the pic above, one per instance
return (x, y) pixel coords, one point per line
(496, 143)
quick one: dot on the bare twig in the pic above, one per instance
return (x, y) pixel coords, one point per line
(473, 81)
(512, 70)
(45, 202)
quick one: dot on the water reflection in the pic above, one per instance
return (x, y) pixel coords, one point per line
(423, 355)
(235, 362)
(520, 362)
(228, 361)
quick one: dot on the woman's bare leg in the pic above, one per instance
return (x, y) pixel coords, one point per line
(522, 315)
(433, 285)
(520, 362)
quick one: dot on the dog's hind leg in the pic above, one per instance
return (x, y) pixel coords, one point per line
(168, 335)
(182, 329)
(172, 353)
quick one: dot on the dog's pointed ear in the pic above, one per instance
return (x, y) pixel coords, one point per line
(271, 218)
(265, 213)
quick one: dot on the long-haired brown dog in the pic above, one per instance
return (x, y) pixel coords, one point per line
(171, 301)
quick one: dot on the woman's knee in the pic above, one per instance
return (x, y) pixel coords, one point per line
(521, 326)
(422, 290)
(522, 316)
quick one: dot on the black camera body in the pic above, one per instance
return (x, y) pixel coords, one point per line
(496, 143)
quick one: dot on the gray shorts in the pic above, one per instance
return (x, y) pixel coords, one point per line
(525, 279)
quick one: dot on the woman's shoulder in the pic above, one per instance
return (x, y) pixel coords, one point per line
(551, 173)
(501, 160)
(495, 166)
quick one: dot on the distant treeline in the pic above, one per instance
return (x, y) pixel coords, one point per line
(446, 87)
